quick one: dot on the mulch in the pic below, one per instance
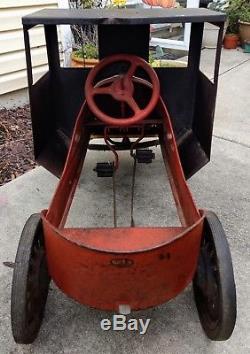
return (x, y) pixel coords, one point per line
(16, 144)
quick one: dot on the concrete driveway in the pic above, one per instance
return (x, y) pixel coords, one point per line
(222, 186)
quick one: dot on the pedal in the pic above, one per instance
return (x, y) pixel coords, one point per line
(104, 169)
(144, 156)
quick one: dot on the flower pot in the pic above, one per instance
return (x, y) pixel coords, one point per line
(246, 47)
(77, 62)
(166, 3)
(231, 41)
(244, 31)
(151, 2)
(161, 3)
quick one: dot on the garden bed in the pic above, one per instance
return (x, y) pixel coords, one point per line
(16, 144)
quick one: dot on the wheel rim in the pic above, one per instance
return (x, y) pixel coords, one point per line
(30, 283)
(37, 284)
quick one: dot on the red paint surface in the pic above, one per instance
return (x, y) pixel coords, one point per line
(141, 272)
(140, 267)
(121, 89)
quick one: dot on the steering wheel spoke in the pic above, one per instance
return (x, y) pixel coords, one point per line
(132, 104)
(131, 70)
(107, 90)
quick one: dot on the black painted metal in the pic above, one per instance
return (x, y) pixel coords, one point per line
(218, 52)
(129, 39)
(190, 96)
(194, 59)
(28, 56)
(52, 47)
(121, 17)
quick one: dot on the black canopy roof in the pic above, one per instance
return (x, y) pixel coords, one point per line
(121, 16)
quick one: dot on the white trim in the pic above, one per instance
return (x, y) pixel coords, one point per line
(168, 43)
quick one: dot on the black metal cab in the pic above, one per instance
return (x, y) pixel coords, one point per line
(56, 97)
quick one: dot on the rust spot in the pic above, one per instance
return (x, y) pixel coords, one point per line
(164, 256)
(122, 262)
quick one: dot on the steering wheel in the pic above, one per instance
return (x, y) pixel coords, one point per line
(121, 88)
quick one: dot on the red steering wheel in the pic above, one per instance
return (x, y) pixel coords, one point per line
(121, 88)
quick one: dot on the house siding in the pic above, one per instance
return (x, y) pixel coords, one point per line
(12, 55)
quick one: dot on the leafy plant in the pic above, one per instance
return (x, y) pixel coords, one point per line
(82, 4)
(89, 51)
(119, 3)
(218, 5)
(237, 10)
(84, 37)
(151, 57)
(244, 12)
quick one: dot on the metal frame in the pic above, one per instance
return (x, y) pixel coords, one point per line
(129, 268)
(190, 95)
(88, 264)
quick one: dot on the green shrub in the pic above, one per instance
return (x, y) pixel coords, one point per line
(88, 51)
(237, 10)
(244, 13)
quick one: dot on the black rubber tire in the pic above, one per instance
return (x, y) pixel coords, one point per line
(30, 283)
(213, 284)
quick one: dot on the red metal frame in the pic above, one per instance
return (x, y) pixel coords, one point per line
(134, 266)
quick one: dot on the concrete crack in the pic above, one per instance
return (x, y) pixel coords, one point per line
(231, 141)
(234, 67)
